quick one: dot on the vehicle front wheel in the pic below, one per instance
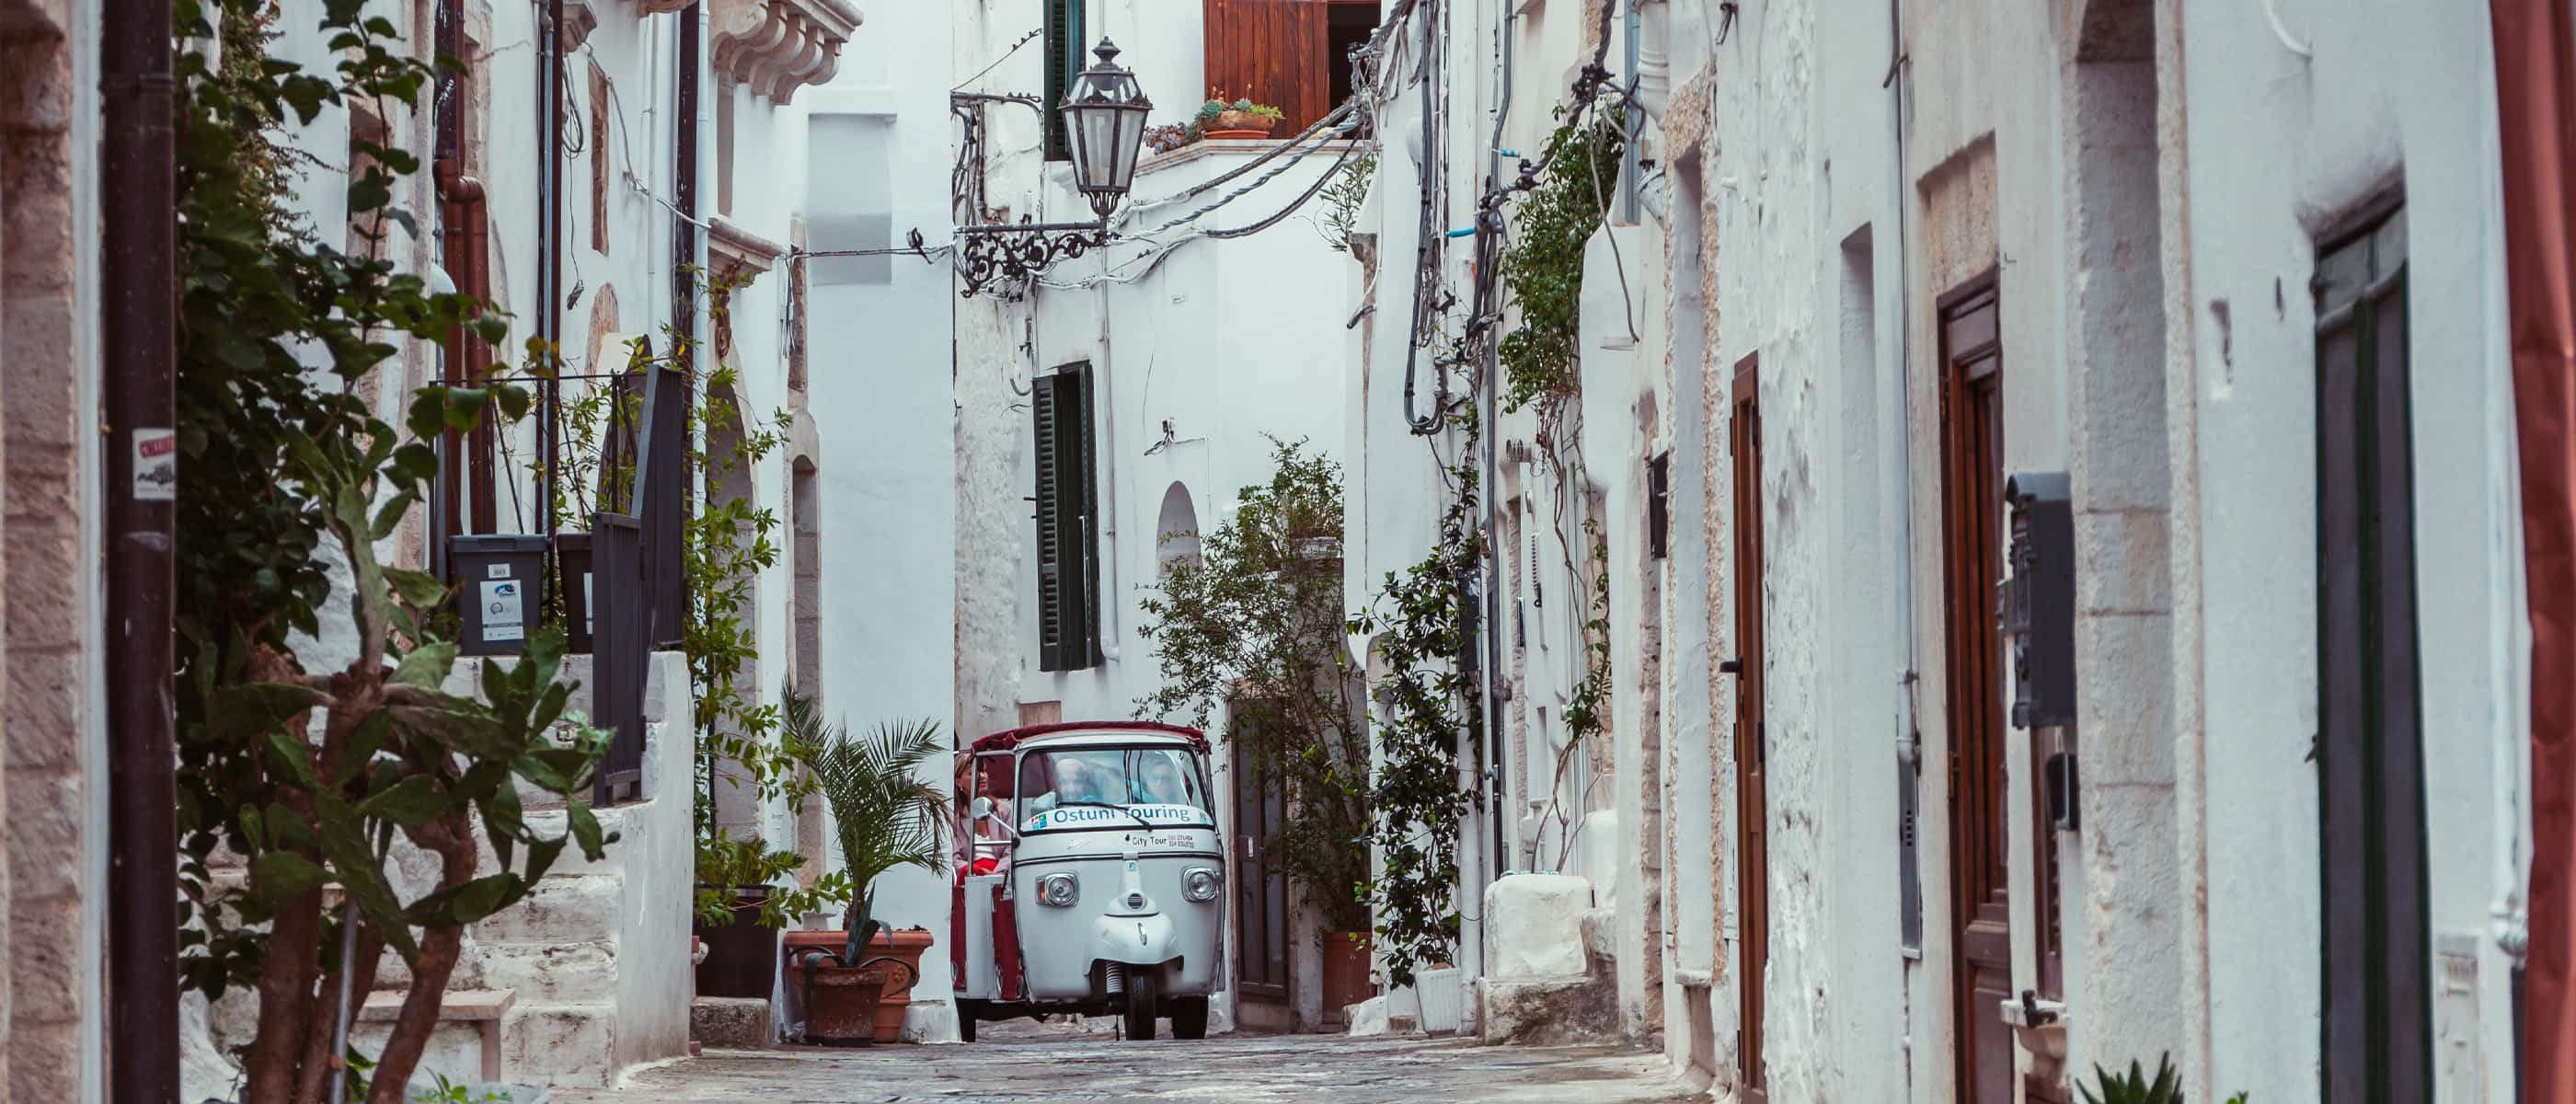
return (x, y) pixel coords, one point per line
(1141, 1000)
(1189, 1017)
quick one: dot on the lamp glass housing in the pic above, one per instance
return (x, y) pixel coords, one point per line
(1104, 115)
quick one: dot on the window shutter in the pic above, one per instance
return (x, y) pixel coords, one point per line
(1085, 650)
(1064, 46)
(1050, 521)
(1273, 52)
(1067, 520)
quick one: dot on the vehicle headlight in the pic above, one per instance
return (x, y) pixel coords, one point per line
(1058, 890)
(1201, 883)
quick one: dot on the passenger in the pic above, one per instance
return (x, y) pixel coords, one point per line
(1163, 784)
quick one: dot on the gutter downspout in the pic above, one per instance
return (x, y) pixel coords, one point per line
(550, 84)
(2535, 60)
(1909, 724)
(138, 404)
(1488, 244)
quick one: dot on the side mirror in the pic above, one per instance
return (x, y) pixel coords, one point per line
(983, 807)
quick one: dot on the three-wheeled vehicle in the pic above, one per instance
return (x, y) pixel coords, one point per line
(1090, 877)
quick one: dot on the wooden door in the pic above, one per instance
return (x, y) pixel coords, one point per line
(1972, 526)
(1752, 798)
(1273, 52)
(2377, 995)
(1260, 885)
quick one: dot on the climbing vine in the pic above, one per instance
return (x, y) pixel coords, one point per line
(1551, 226)
(1425, 716)
(726, 541)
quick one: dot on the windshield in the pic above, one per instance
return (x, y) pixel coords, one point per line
(1159, 785)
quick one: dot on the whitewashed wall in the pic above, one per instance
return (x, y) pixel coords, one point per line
(876, 149)
(2390, 90)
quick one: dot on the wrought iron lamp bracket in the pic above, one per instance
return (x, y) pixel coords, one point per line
(1014, 253)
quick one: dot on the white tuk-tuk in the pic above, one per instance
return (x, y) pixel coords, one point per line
(1090, 877)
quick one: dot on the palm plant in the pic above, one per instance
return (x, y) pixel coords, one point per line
(885, 816)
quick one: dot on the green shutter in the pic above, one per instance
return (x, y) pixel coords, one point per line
(1067, 521)
(1050, 521)
(1064, 41)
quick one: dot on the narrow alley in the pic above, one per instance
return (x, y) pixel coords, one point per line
(1586, 551)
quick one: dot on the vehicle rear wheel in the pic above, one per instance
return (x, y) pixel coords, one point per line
(1141, 1001)
(1189, 1017)
(968, 1011)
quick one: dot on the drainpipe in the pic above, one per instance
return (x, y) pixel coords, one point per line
(1497, 689)
(550, 85)
(138, 404)
(1909, 725)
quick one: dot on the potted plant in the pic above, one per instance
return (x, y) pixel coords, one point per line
(885, 817)
(1241, 118)
(739, 915)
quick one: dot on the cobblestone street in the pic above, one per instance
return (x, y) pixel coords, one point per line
(1062, 1067)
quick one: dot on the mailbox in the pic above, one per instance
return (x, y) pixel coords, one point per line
(2036, 611)
(497, 579)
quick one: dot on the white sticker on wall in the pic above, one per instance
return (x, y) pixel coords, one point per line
(504, 615)
(496, 571)
(156, 465)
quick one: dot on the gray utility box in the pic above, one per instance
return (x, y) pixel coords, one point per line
(499, 586)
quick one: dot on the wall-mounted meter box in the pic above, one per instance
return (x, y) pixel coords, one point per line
(2036, 610)
(498, 579)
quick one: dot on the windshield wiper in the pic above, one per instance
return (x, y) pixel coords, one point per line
(1131, 813)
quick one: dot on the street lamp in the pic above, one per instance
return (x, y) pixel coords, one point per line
(1104, 115)
(1104, 121)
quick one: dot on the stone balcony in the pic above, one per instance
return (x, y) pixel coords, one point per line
(774, 47)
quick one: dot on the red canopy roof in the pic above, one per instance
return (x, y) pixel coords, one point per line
(1010, 738)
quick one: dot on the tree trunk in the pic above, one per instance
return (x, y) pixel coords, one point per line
(285, 1000)
(451, 838)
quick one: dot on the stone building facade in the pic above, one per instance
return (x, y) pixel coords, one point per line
(52, 1006)
(1878, 263)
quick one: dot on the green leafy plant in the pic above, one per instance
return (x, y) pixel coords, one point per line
(2134, 1087)
(1342, 199)
(1424, 717)
(884, 815)
(290, 481)
(1257, 619)
(1543, 269)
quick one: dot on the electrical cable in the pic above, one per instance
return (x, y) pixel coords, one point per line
(997, 62)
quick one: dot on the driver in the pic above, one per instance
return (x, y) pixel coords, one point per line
(1075, 782)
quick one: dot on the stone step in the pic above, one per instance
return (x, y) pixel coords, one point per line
(552, 823)
(732, 1023)
(563, 908)
(561, 1044)
(551, 973)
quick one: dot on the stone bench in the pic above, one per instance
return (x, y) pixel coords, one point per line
(484, 1008)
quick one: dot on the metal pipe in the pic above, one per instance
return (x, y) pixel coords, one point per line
(138, 407)
(1425, 264)
(550, 307)
(1497, 690)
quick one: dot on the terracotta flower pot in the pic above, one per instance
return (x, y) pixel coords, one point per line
(1346, 973)
(1231, 119)
(841, 1002)
(889, 948)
